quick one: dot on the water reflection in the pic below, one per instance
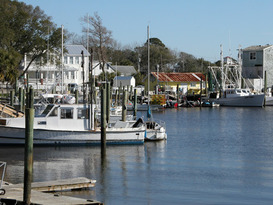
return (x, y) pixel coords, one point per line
(212, 156)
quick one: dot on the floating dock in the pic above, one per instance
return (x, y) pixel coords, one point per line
(14, 193)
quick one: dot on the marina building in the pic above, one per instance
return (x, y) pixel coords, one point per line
(256, 61)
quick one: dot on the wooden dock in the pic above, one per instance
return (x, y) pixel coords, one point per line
(15, 192)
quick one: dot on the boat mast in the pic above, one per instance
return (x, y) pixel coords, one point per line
(222, 69)
(240, 67)
(148, 46)
(62, 59)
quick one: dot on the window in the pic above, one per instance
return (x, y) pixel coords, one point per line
(77, 60)
(66, 113)
(65, 60)
(83, 113)
(193, 84)
(71, 60)
(252, 55)
(72, 75)
(54, 112)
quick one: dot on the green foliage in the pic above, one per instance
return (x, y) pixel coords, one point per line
(139, 78)
(24, 30)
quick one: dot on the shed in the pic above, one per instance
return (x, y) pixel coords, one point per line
(124, 81)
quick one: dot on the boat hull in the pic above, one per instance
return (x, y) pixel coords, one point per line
(155, 136)
(242, 101)
(14, 136)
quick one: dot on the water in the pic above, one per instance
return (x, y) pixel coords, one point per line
(212, 156)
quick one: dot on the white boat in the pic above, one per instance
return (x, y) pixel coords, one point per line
(240, 98)
(155, 131)
(69, 124)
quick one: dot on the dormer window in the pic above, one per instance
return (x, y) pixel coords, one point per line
(252, 55)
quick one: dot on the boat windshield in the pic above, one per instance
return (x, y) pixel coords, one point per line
(47, 110)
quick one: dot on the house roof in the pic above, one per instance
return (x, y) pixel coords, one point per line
(125, 70)
(75, 50)
(178, 77)
(256, 48)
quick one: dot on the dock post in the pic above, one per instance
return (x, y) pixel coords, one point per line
(103, 120)
(124, 100)
(135, 103)
(77, 96)
(201, 87)
(131, 92)
(29, 118)
(21, 99)
(108, 102)
(265, 87)
(116, 98)
(119, 93)
(177, 94)
(11, 97)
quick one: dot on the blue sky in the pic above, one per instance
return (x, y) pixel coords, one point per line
(197, 27)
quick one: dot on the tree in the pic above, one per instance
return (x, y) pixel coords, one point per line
(24, 30)
(99, 37)
(160, 56)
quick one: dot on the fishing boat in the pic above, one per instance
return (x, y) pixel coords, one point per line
(69, 124)
(240, 98)
(232, 92)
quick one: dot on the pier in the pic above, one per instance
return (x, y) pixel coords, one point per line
(14, 192)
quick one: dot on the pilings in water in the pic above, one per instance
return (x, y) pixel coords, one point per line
(135, 103)
(21, 99)
(29, 118)
(108, 101)
(11, 96)
(124, 100)
(103, 120)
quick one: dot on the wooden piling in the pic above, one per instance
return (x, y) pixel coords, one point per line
(21, 99)
(11, 97)
(108, 102)
(177, 94)
(103, 120)
(116, 98)
(124, 110)
(29, 118)
(119, 93)
(265, 87)
(135, 103)
(201, 87)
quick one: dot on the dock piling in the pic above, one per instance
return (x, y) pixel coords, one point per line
(29, 118)
(135, 103)
(103, 120)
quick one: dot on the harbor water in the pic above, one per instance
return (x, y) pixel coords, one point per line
(215, 155)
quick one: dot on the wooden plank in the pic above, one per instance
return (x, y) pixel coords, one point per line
(37, 197)
(8, 110)
(61, 185)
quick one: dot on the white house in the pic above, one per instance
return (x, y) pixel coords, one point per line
(49, 75)
(120, 81)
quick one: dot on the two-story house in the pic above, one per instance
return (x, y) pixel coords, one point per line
(255, 61)
(48, 75)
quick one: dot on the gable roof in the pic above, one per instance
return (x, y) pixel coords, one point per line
(256, 48)
(124, 69)
(75, 50)
(178, 77)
